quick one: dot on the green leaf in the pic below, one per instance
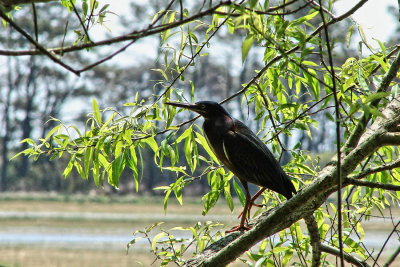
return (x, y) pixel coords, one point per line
(86, 163)
(247, 43)
(156, 238)
(349, 34)
(79, 168)
(228, 197)
(69, 167)
(118, 165)
(96, 111)
(200, 139)
(303, 19)
(252, 3)
(152, 143)
(52, 131)
(375, 96)
(239, 192)
(84, 8)
(96, 168)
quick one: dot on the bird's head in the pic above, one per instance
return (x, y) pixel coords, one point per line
(207, 109)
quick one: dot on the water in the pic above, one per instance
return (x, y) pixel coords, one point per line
(118, 238)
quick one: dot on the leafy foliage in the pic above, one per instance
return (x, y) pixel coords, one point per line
(287, 96)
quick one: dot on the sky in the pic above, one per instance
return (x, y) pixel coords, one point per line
(373, 17)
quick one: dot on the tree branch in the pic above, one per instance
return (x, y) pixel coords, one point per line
(391, 259)
(35, 43)
(135, 35)
(390, 139)
(8, 5)
(347, 257)
(315, 239)
(352, 181)
(381, 168)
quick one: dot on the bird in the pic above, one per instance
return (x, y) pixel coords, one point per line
(242, 152)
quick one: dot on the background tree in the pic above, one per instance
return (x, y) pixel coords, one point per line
(294, 82)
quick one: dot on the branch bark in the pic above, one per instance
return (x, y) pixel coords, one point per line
(303, 203)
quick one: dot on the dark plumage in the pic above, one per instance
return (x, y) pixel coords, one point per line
(242, 152)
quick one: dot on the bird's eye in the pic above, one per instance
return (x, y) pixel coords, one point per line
(203, 106)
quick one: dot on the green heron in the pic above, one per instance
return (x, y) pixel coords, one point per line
(242, 152)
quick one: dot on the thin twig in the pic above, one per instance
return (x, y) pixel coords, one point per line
(35, 22)
(386, 241)
(380, 168)
(393, 187)
(80, 21)
(349, 258)
(391, 259)
(88, 67)
(126, 37)
(270, 115)
(337, 112)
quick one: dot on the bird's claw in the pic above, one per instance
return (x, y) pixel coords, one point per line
(238, 228)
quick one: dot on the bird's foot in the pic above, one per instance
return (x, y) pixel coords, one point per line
(238, 228)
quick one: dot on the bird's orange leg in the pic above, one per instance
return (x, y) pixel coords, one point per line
(246, 211)
(256, 195)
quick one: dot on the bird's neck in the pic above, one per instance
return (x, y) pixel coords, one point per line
(219, 124)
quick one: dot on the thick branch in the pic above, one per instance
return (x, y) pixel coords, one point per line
(390, 139)
(347, 257)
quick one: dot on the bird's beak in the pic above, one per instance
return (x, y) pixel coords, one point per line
(189, 106)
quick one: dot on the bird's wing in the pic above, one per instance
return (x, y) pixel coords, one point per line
(253, 162)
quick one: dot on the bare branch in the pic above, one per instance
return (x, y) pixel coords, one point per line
(349, 258)
(381, 168)
(386, 241)
(352, 181)
(80, 21)
(35, 43)
(8, 5)
(135, 35)
(315, 239)
(391, 259)
(331, 70)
